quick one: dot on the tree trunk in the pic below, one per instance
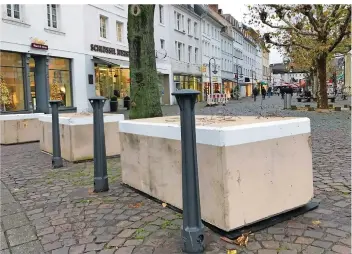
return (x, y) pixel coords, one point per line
(322, 99)
(145, 93)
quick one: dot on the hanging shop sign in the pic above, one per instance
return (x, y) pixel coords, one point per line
(107, 50)
(39, 44)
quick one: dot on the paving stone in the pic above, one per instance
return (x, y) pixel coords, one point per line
(87, 239)
(125, 250)
(45, 231)
(78, 249)
(63, 250)
(253, 246)
(33, 247)
(346, 241)
(20, 235)
(14, 220)
(337, 232)
(267, 252)
(3, 243)
(342, 204)
(94, 247)
(127, 233)
(49, 238)
(52, 246)
(116, 242)
(103, 238)
(5, 251)
(271, 244)
(107, 251)
(313, 234)
(11, 208)
(313, 250)
(322, 244)
(341, 249)
(304, 240)
(133, 242)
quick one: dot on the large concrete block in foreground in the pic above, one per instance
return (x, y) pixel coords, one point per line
(249, 168)
(19, 128)
(76, 135)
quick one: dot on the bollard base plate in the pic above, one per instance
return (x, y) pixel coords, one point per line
(56, 162)
(193, 239)
(101, 184)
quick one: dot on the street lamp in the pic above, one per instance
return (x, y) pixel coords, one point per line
(214, 71)
(237, 75)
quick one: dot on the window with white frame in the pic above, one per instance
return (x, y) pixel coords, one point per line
(189, 26)
(179, 21)
(52, 10)
(161, 14)
(119, 31)
(179, 50)
(162, 44)
(103, 26)
(13, 11)
(208, 30)
(212, 50)
(189, 54)
(195, 55)
(212, 32)
(195, 29)
(203, 25)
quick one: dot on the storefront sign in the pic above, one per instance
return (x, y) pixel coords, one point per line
(214, 79)
(39, 44)
(107, 50)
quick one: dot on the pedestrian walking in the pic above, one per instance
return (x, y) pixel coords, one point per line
(282, 91)
(269, 91)
(255, 93)
(263, 93)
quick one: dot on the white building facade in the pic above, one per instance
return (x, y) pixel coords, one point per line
(211, 51)
(259, 63)
(249, 62)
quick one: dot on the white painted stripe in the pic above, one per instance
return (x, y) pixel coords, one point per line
(222, 136)
(20, 116)
(82, 120)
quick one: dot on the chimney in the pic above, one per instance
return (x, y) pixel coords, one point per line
(214, 7)
(220, 11)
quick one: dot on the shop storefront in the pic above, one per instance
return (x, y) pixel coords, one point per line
(188, 82)
(29, 81)
(228, 87)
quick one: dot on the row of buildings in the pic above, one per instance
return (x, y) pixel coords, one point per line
(73, 52)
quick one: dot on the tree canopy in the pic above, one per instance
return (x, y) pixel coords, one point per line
(309, 33)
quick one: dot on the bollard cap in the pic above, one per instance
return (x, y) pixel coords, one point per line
(54, 101)
(185, 92)
(97, 98)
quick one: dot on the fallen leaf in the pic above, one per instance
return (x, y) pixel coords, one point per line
(137, 205)
(316, 222)
(242, 240)
(231, 251)
(90, 191)
(164, 205)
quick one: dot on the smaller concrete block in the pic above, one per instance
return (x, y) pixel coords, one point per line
(19, 128)
(76, 135)
(337, 108)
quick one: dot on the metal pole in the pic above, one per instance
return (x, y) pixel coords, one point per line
(211, 87)
(56, 160)
(100, 168)
(192, 228)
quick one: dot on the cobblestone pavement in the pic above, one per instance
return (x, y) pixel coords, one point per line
(54, 211)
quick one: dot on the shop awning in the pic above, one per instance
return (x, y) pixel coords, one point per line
(111, 61)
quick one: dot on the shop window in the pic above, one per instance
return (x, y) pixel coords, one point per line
(112, 81)
(60, 81)
(161, 14)
(11, 78)
(52, 11)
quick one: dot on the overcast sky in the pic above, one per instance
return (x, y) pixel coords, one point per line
(237, 11)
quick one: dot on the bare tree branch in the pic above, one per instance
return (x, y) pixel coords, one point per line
(306, 11)
(343, 29)
(286, 45)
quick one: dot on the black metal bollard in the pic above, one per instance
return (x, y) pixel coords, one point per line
(56, 160)
(193, 228)
(100, 169)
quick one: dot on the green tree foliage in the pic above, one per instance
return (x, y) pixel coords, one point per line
(311, 33)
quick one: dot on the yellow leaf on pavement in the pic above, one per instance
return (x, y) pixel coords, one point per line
(164, 205)
(316, 222)
(231, 251)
